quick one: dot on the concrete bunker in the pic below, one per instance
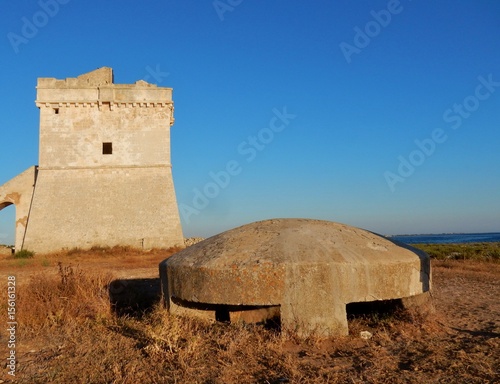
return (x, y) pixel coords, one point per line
(305, 271)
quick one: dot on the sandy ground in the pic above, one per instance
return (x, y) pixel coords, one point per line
(470, 299)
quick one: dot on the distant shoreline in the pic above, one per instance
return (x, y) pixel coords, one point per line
(444, 234)
(448, 238)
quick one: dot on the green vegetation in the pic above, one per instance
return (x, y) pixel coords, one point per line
(463, 251)
(24, 254)
(23, 263)
(45, 263)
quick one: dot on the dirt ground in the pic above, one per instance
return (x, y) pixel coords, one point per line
(469, 296)
(459, 343)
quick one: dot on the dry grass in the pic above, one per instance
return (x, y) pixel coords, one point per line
(119, 260)
(69, 333)
(49, 302)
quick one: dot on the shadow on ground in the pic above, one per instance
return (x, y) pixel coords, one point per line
(483, 333)
(134, 297)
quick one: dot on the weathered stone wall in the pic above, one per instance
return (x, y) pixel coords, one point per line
(74, 137)
(104, 206)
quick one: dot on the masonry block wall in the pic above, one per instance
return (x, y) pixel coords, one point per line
(104, 175)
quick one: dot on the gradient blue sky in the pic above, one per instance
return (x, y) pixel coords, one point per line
(361, 101)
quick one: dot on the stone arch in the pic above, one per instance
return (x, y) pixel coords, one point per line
(5, 204)
(19, 192)
(10, 223)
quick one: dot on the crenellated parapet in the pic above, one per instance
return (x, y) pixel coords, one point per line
(96, 89)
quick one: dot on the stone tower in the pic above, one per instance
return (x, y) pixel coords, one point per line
(104, 176)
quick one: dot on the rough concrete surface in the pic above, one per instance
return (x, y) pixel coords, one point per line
(309, 269)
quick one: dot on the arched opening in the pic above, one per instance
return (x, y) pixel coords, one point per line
(7, 223)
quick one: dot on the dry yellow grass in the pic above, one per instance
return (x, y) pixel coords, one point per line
(70, 333)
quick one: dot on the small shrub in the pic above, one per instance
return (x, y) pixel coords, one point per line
(71, 297)
(73, 251)
(45, 263)
(99, 248)
(23, 262)
(24, 254)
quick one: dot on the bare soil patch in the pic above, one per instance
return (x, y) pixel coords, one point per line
(93, 317)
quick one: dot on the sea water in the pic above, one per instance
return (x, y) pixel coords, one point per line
(447, 238)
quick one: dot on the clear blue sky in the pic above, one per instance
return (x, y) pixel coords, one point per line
(391, 109)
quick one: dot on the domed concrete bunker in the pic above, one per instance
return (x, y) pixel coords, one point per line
(306, 271)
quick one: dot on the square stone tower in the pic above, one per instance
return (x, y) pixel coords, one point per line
(104, 176)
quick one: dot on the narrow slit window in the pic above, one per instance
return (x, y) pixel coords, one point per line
(107, 148)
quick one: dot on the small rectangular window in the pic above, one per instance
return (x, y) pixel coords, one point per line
(56, 111)
(107, 148)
